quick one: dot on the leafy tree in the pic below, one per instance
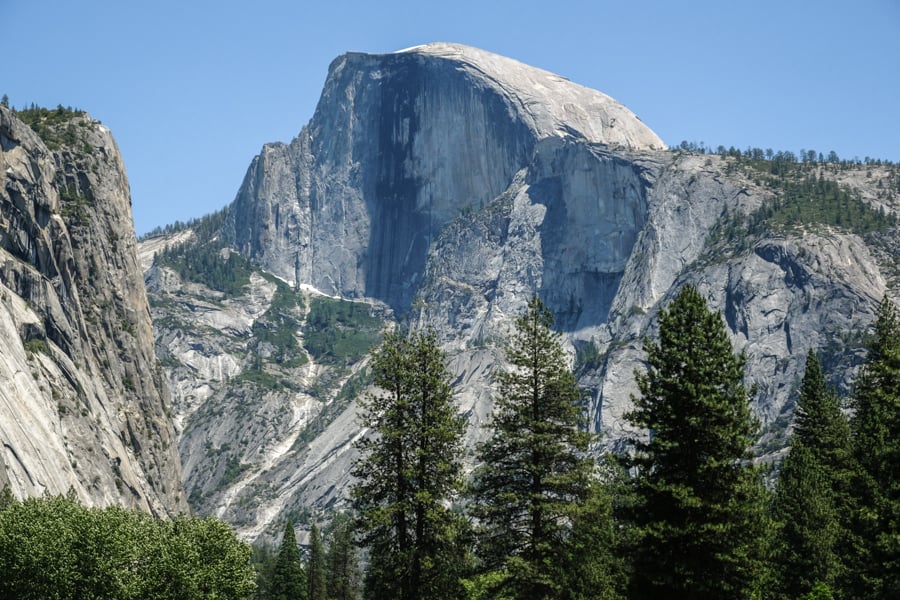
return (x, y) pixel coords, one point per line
(534, 472)
(875, 498)
(809, 496)
(699, 512)
(54, 547)
(342, 562)
(409, 469)
(315, 568)
(288, 577)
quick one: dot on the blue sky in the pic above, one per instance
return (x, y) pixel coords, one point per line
(192, 88)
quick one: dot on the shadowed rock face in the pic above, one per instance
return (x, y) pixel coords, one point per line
(82, 403)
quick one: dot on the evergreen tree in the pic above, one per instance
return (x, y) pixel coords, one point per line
(409, 469)
(343, 567)
(315, 568)
(597, 570)
(534, 472)
(288, 578)
(699, 510)
(875, 498)
(809, 496)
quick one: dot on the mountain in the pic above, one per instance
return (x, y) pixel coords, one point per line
(442, 186)
(83, 404)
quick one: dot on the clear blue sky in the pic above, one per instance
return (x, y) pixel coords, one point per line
(192, 88)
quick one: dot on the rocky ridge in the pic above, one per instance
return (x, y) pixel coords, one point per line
(83, 404)
(446, 185)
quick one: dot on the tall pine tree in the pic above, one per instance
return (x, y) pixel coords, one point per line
(534, 473)
(875, 498)
(699, 502)
(809, 497)
(288, 577)
(343, 581)
(409, 470)
(315, 566)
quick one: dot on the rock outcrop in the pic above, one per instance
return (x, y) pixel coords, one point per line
(449, 185)
(83, 404)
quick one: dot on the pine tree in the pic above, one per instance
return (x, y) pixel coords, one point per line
(597, 570)
(875, 498)
(699, 513)
(288, 578)
(409, 470)
(811, 489)
(534, 472)
(315, 567)
(343, 565)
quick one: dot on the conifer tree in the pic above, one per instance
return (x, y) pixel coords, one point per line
(288, 578)
(534, 472)
(875, 498)
(810, 493)
(409, 470)
(343, 565)
(699, 510)
(315, 567)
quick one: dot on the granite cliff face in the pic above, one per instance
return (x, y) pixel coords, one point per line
(446, 185)
(83, 404)
(400, 145)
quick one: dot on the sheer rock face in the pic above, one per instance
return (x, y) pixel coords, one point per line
(452, 184)
(400, 145)
(83, 405)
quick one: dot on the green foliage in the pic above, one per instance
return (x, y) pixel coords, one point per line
(288, 580)
(803, 199)
(408, 471)
(205, 228)
(534, 470)
(596, 569)
(874, 524)
(279, 326)
(340, 331)
(342, 563)
(699, 504)
(209, 263)
(74, 207)
(53, 126)
(35, 345)
(54, 547)
(316, 574)
(810, 493)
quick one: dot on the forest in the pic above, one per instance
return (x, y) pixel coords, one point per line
(686, 512)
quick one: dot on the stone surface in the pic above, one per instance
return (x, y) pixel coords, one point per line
(83, 404)
(447, 185)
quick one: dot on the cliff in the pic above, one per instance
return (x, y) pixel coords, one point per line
(83, 404)
(445, 185)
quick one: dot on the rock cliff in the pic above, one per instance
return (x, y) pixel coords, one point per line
(83, 404)
(446, 185)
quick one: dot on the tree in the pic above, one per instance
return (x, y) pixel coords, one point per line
(341, 559)
(409, 470)
(288, 578)
(809, 497)
(534, 473)
(597, 570)
(875, 500)
(699, 512)
(315, 567)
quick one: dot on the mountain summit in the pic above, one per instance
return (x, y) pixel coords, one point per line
(442, 186)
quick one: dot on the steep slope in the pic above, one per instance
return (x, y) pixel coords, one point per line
(83, 405)
(450, 185)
